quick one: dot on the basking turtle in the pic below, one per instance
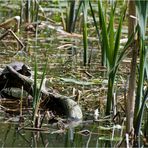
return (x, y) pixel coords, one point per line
(19, 67)
(13, 93)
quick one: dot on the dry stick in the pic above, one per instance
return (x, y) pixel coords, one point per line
(130, 102)
(14, 35)
(11, 22)
(8, 24)
(121, 135)
(21, 118)
(3, 35)
(21, 103)
(127, 140)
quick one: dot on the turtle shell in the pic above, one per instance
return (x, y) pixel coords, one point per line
(19, 67)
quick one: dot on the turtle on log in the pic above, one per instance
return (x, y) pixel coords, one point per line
(20, 67)
(17, 74)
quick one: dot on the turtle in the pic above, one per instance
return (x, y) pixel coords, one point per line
(13, 93)
(20, 67)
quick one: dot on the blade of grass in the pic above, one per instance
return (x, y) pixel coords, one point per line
(94, 19)
(71, 16)
(111, 33)
(142, 11)
(117, 39)
(77, 13)
(35, 84)
(37, 95)
(104, 37)
(141, 113)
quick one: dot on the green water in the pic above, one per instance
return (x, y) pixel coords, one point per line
(11, 137)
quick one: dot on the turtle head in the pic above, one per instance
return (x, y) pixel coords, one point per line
(26, 70)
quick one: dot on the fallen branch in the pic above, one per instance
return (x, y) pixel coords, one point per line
(60, 104)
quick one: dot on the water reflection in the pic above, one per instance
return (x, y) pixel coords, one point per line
(10, 136)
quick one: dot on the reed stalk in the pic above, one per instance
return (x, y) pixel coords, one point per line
(142, 11)
(71, 17)
(37, 93)
(27, 11)
(110, 43)
(21, 102)
(85, 40)
(130, 101)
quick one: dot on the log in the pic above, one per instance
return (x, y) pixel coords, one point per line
(60, 104)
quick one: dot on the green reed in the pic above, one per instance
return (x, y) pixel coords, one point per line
(85, 33)
(142, 11)
(37, 92)
(110, 43)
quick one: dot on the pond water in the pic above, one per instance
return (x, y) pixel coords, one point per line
(66, 75)
(80, 136)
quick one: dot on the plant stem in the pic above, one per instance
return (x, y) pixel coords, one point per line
(130, 103)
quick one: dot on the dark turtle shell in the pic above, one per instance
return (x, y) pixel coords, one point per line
(19, 67)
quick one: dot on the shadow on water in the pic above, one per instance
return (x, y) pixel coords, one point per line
(10, 136)
(64, 133)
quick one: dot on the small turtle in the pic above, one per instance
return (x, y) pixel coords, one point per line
(13, 92)
(19, 67)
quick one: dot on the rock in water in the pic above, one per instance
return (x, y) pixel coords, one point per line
(73, 109)
(63, 106)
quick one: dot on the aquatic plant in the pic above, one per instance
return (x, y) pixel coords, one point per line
(142, 11)
(110, 42)
(37, 93)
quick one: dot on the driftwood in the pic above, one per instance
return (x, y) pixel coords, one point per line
(60, 104)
